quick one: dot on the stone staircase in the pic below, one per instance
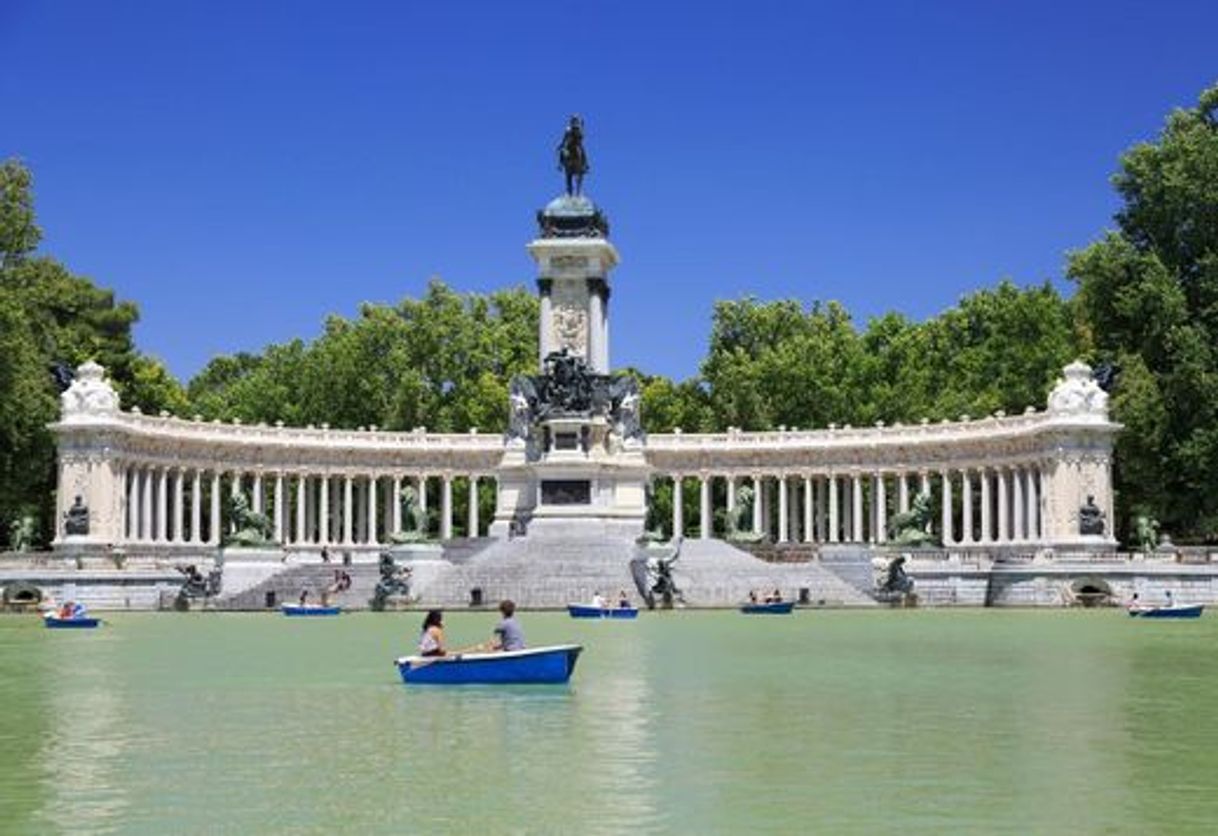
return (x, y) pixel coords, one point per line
(315, 577)
(716, 573)
(552, 572)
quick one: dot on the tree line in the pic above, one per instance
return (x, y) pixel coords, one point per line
(1146, 299)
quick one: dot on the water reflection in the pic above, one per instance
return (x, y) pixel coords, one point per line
(83, 754)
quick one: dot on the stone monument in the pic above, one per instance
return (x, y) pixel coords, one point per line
(573, 459)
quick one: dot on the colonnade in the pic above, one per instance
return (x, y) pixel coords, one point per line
(181, 504)
(992, 505)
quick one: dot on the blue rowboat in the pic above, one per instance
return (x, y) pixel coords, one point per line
(1174, 611)
(774, 608)
(593, 611)
(552, 664)
(54, 622)
(308, 609)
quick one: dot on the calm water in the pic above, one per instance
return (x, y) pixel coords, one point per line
(932, 721)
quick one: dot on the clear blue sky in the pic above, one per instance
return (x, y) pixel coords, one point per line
(240, 170)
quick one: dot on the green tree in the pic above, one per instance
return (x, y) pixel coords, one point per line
(48, 317)
(1148, 299)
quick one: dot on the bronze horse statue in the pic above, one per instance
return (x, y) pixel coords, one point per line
(571, 156)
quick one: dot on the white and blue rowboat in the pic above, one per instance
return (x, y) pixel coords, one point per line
(310, 609)
(772, 608)
(83, 622)
(593, 611)
(551, 665)
(1173, 611)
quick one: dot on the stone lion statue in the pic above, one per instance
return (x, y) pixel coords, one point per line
(909, 528)
(250, 527)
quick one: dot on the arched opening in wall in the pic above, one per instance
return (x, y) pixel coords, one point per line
(21, 596)
(1091, 592)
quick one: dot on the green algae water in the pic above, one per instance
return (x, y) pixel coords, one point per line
(691, 722)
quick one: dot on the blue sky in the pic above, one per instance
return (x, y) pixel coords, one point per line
(242, 170)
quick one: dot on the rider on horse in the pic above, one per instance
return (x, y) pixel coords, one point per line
(571, 157)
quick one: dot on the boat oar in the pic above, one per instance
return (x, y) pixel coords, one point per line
(455, 654)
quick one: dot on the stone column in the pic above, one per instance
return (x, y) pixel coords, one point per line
(731, 497)
(987, 530)
(948, 536)
(966, 506)
(809, 516)
(213, 536)
(196, 506)
(881, 509)
(257, 499)
(396, 507)
(678, 513)
(903, 493)
(348, 510)
(1031, 526)
(302, 481)
(856, 512)
(782, 508)
(822, 509)
(179, 507)
(833, 510)
(1017, 506)
(279, 534)
(472, 511)
(372, 536)
(446, 507)
(704, 507)
(1004, 528)
(133, 502)
(324, 535)
(146, 505)
(162, 505)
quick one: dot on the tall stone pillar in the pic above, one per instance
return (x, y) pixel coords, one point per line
(472, 512)
(881, 509)
(146, 532)
(948, 536)
(325, 534)
(833, 510)
(196, 506)
(574, 260)
(757, 483)
(809, 521)
(372, 535)
(704, 507)
(783, 532)
(1017, 506)
(302, 481)
(903, 493)
(966, 506)
(213, 535)
(1004, 522)
(446, 507)
(856, 512)
(279, 537)
(395, 507)
(1031, 525)
(179, 506)
(348, 510)
(257, 495)
(678, 507)
(987, 530)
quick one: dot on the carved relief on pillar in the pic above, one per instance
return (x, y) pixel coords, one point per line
(570, 318)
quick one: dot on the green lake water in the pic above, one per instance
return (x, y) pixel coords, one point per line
(692, 722)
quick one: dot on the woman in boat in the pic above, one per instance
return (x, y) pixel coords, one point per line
(752, 596)
(598, 600)
(623, 600)
(431, 639)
